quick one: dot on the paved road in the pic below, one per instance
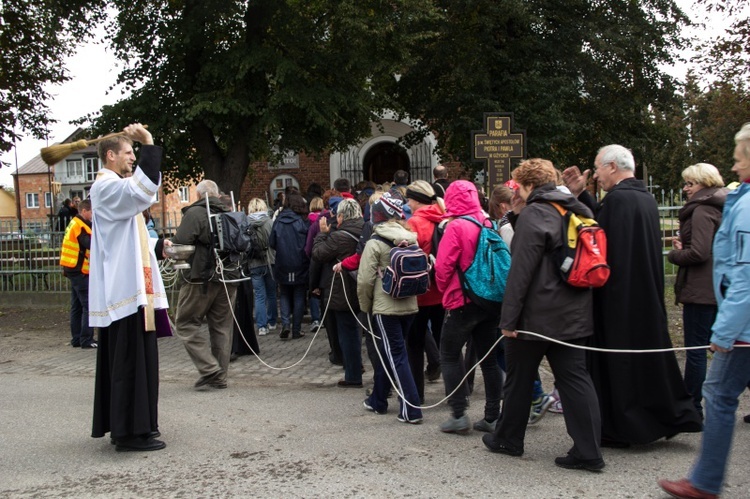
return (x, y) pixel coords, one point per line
(293, 433)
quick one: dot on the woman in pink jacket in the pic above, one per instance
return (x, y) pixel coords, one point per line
(464, 319)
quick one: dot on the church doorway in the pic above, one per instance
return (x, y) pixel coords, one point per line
(382, 160)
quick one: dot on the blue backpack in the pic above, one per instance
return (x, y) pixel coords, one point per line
(408, 273)
(484, 280)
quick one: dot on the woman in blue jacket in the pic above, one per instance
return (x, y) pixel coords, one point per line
(292, 266)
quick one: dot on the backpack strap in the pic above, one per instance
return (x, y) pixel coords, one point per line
(382, 239)
(351, 235)
(562, 211)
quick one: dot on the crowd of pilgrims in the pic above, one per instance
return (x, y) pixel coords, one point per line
(327, 247)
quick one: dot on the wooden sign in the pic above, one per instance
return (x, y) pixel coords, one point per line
(499, 146)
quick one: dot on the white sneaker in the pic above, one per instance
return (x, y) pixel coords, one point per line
(314, 327)
(272, 327)
(262, 331)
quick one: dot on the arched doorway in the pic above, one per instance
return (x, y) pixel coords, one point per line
(382, 160)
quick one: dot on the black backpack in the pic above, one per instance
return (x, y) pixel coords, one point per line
(258, 240)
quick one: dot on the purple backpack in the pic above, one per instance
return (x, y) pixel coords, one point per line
(408, 273)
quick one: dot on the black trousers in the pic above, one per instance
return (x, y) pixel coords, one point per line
(582, 417)
(126, 390)
(416, 341)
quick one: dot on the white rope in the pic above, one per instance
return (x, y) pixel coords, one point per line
(618, 350)
(388, 374)
(242, 335)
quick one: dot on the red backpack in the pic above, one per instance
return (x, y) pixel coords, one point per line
(583, 256)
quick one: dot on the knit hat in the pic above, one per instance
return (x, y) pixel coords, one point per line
(388, 206)
(333, 203)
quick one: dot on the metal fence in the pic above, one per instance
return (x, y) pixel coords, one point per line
(29, 260)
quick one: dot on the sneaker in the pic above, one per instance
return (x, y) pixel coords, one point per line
(90, 345)
(370, 408)
(489, 441)
(484, 425)
(284, 334)
(314, 327)
(456, 425)
(409, 421)
(262, 331)
(539, 407)
(272, 327)
(573, 463)
(556, 406)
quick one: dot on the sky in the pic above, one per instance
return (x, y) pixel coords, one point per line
(93, 70)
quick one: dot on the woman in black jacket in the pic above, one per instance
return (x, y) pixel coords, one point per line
(292, 265)
(699, 220)
(330, 247)
(538, 300)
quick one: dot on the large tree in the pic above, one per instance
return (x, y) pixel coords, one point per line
(223, 84)
(577, 74)
(35, 37)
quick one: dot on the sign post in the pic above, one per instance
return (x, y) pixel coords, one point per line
(498, 145)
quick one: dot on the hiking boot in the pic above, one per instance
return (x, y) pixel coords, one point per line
(456, 425)
(485, 426)
(539, 407)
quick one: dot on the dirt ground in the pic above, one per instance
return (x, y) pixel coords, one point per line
(26, 333)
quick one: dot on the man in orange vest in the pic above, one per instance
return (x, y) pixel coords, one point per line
(74, 259)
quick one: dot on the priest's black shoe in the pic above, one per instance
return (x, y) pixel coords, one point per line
(495, 446)
(573, 463)
(138, 444)
(153, 434)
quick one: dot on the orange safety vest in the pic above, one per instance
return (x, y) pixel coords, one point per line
(70, 254)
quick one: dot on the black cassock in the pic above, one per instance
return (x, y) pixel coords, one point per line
(642, 396)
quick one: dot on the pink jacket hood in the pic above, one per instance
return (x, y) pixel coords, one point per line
(461, 198)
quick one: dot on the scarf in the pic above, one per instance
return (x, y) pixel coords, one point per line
(148, 280)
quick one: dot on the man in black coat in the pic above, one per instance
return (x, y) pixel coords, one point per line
(642, 396)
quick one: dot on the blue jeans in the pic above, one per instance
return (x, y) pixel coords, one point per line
(728, 376)
(264, 289)
(315, 309)
(80, 332)
(351, 345)
(697, 321)
(292, 302)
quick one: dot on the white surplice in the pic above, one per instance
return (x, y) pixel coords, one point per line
(116, 280)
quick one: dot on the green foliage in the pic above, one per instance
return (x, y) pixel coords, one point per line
(222, 84)
(35, 36)
(576, 74)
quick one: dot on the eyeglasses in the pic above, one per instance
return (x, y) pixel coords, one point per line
(689, 184)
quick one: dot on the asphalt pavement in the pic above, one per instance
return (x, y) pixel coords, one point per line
(289, 431)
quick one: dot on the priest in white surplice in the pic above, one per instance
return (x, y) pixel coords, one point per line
(127, 300)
